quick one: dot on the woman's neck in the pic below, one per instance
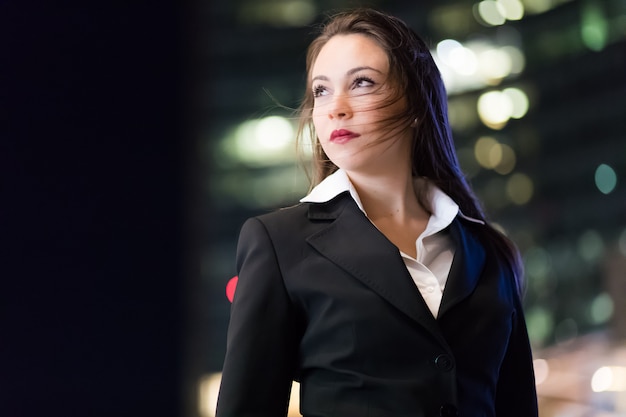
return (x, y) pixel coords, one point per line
(392, 196)
(393, 206)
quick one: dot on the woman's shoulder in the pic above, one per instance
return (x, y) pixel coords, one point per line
(282, 218)
(285, 227)
(285, 213)
(303, 212)
(302, 219)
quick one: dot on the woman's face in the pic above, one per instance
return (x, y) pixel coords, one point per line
(356, 108)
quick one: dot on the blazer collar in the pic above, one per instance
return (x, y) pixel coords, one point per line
(354, 244)
(466, 269)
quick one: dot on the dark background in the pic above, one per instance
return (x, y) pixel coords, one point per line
(91, 173)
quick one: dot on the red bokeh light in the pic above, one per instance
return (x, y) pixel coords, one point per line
(231, 287)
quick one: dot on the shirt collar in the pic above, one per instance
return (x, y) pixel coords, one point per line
(444, 209)
(333, 185)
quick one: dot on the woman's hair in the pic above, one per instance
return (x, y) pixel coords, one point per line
(413, 74)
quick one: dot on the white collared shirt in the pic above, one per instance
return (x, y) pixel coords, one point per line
(435, 250)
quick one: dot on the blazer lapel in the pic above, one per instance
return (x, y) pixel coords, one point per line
(467, 266)
(354, 244)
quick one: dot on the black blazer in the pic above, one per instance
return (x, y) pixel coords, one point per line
(324, 298)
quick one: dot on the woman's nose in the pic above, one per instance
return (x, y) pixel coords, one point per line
(340, 107)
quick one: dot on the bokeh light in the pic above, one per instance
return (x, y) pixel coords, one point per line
(495, 64)
(512, 9)
(486, 150)
(540, 324)
(601, 308)
(261, 142)
(537, 265)
(542, 370)
(507, 160)
(520, 188)
(605, 178)
(609, 378)
(518, 60)
(490, 13)
(495, 109)
(594, 26)
(478, 63)
(590, 246)
(519, 99)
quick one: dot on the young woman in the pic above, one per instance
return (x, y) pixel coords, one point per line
(385, 292)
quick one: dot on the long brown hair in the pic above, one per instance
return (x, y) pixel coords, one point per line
(416, 76)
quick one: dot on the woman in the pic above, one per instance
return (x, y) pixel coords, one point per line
(385, 292)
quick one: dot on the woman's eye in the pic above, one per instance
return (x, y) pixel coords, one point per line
(319, 91)
(363, 82)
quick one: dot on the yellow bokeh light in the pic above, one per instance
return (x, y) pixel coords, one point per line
(208, 389)
(484, 151)
(273, 132)
(478, 63)
(495, 109)
(495, 155)
(519, 99)
(512, 9)
(464, 61)
(519, 188)
(507, 160)
(261, 142)
(491, 12)
(491, 154)
(495, 64)
(518, 60)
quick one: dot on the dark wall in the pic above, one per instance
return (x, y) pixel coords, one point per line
(91, 172)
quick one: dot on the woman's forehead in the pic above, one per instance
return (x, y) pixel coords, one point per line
(344, 52)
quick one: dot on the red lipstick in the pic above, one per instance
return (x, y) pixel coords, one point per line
(342, 136)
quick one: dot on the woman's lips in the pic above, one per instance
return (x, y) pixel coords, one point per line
(342, 136)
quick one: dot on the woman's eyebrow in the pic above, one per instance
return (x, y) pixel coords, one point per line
(350, 72)
(357, 69)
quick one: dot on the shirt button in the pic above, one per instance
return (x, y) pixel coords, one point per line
(444, 362)
(448, 410)
(430, 289)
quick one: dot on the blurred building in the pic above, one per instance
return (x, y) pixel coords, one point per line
(537, 93)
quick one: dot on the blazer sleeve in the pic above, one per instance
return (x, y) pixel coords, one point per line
(516, 394)
(262, 337)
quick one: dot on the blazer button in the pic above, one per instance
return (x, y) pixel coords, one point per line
(448, 410)
(444, 362)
